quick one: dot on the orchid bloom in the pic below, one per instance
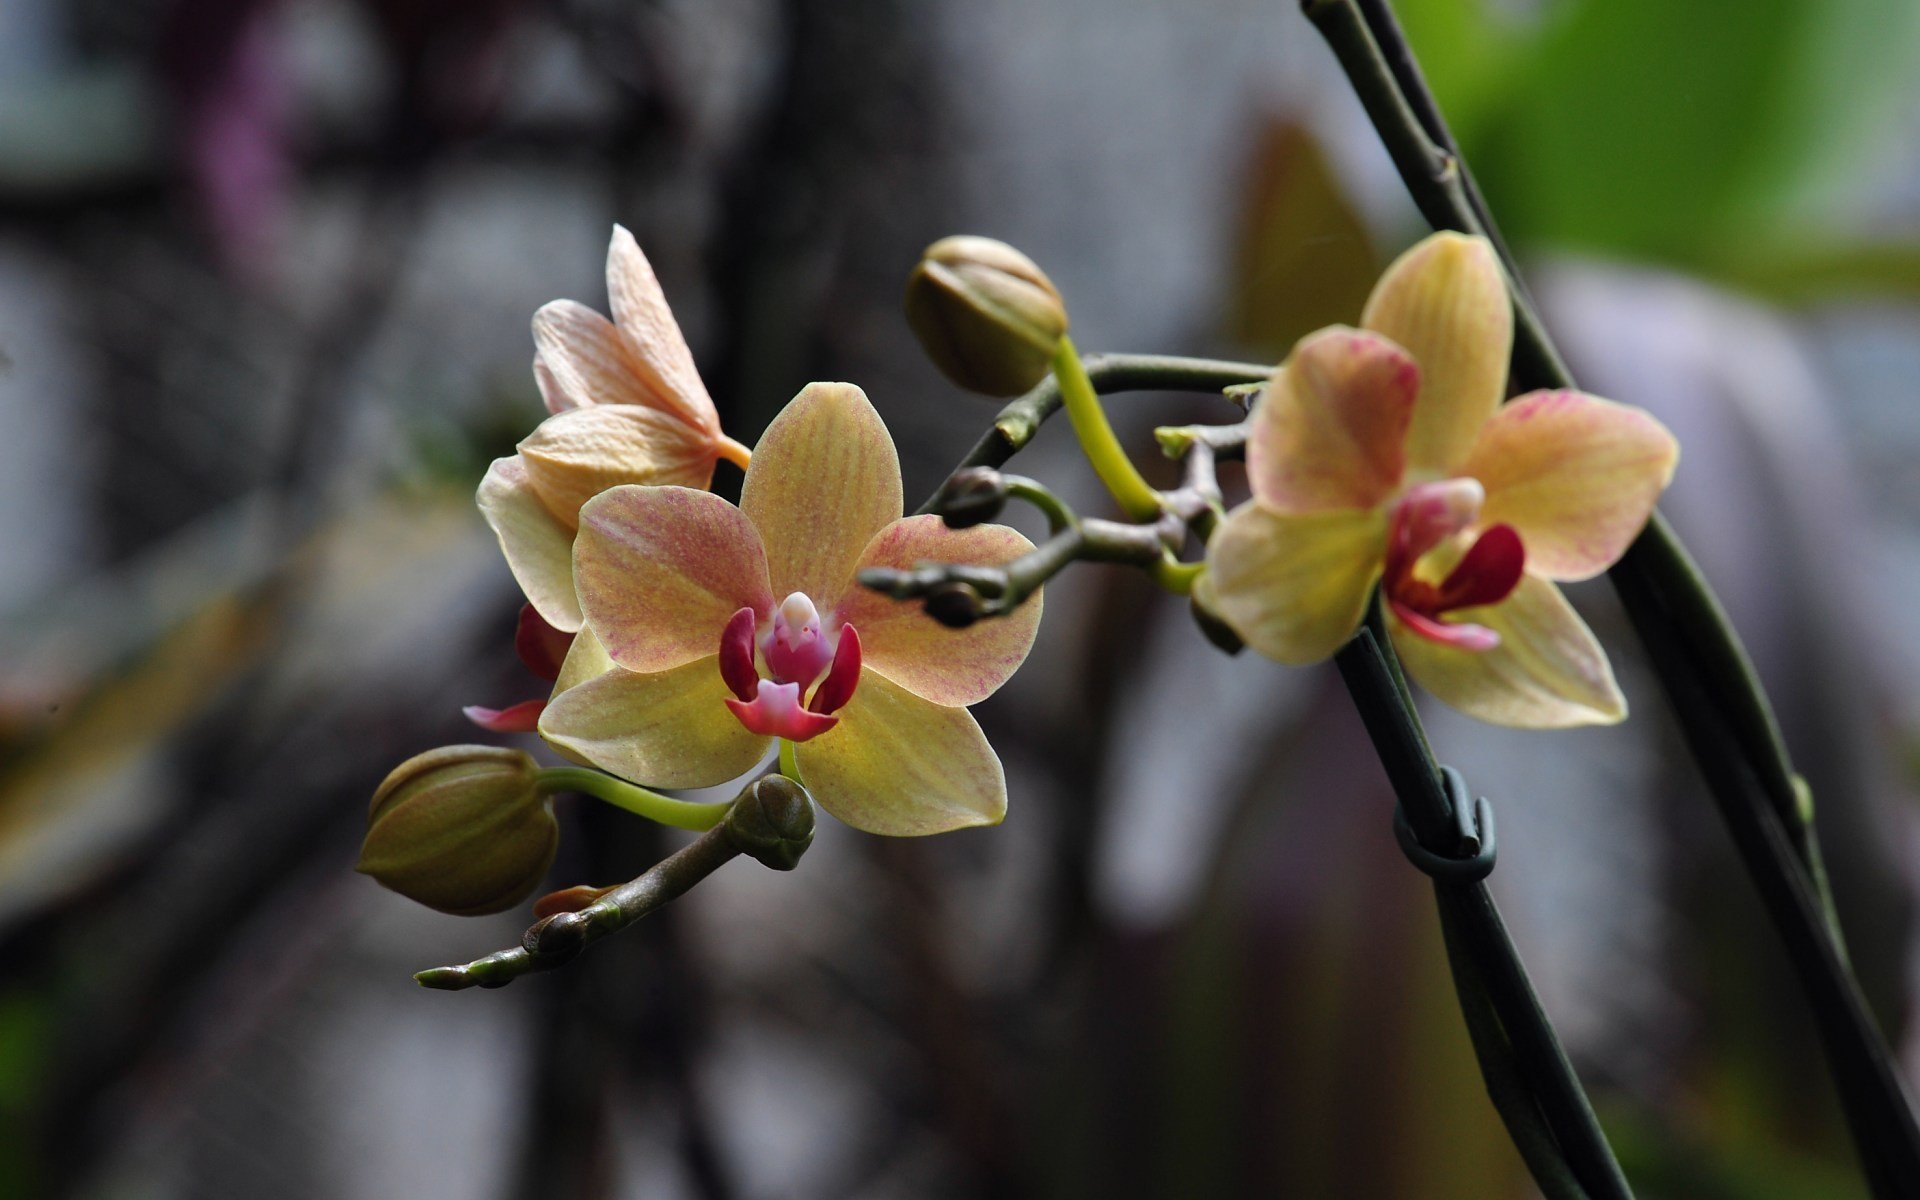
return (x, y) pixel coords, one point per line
(628, 407)
(1383, 455)
(713, 630)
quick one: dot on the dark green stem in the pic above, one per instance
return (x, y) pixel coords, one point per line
(1479, 936)
(1702, 665)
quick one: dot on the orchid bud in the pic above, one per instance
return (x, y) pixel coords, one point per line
(773, 821)
(955, 604)
(970, 497)
(461, 829)
(985, 314)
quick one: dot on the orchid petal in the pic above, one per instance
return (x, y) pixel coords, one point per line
(586, 659)
(551, 394)
(1576, 475)
(736, 655)
(843, 676)
(661, 570)
(658, 351)
(538, 548)
(1548, 671)
(574, 456)
(541, 647)
(1445, 302)
(1329, 429)
(901, 766)
(523, 717)
(663, 729)
(899, 640)
(1294, 585)
(824, 480)
(776, 711)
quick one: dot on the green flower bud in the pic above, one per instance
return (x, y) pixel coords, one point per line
(971, 496)
(773, 821)
(461, 829)
(985, 314)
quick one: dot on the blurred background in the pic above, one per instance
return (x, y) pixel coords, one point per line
(266, 269)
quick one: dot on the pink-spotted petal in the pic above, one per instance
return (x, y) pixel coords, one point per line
(523, 717)
(661, 570)
(538, 548)
(1294, 585)
(901, 766)
(666, 729)
(1329, 430)
(1445, 302)
(1548, 671)
(574, 456)
(899, 640)
(824, 479)
(658, 352)
(1576, 475)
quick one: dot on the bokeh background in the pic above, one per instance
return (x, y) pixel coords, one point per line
(266, 268)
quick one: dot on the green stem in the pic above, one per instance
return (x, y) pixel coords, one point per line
(1138, 500)
(665, 810)
(790, 762)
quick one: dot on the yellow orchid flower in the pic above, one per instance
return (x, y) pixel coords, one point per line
(711, 631)
(628, 407)
(1383, 455)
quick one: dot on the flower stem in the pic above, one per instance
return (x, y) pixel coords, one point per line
(734, 452)
(1102, 448)
(790, 762)
(679, 814)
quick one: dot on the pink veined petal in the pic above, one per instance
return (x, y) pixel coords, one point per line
(776, 711)
(901, 766)
(659, 353)
(1330, 428)
(900, 641)
(1576, 475)
(538, 548)
(661, 570)
(824, 479)
(663, 729)
(1294, 585)
(523, 717)
(551, 394)
(541, 647)
(574, 456)
(1445, 302)
(1548, 671)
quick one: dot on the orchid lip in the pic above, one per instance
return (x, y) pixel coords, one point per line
(1425, 517)
(796, 652)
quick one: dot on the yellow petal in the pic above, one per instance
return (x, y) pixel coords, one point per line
(1548, 672)
(659, 353)
(586, 658)
(660, 571)
(1294, 585)
(669, 729)
(825, 479)
(573, 456)
(1445, 301)
(899, 640)
(901, 766)
(1577, 476)
(1330, 429)
(538, 548)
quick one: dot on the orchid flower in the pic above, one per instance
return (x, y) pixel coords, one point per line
(713, 632)
(628, 407)
(1383, 455)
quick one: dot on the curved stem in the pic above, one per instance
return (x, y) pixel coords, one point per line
(1097, 440)
(790, 762)
(734, 452)
(665, 810)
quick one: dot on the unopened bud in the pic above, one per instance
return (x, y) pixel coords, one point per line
(954, 604)
(773, 821)
(461, 829)
(972, 496)
(988, 317)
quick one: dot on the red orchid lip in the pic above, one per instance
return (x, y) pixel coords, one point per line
(773, 707)
(1487, 574)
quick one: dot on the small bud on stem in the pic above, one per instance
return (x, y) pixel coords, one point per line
(986, 315)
